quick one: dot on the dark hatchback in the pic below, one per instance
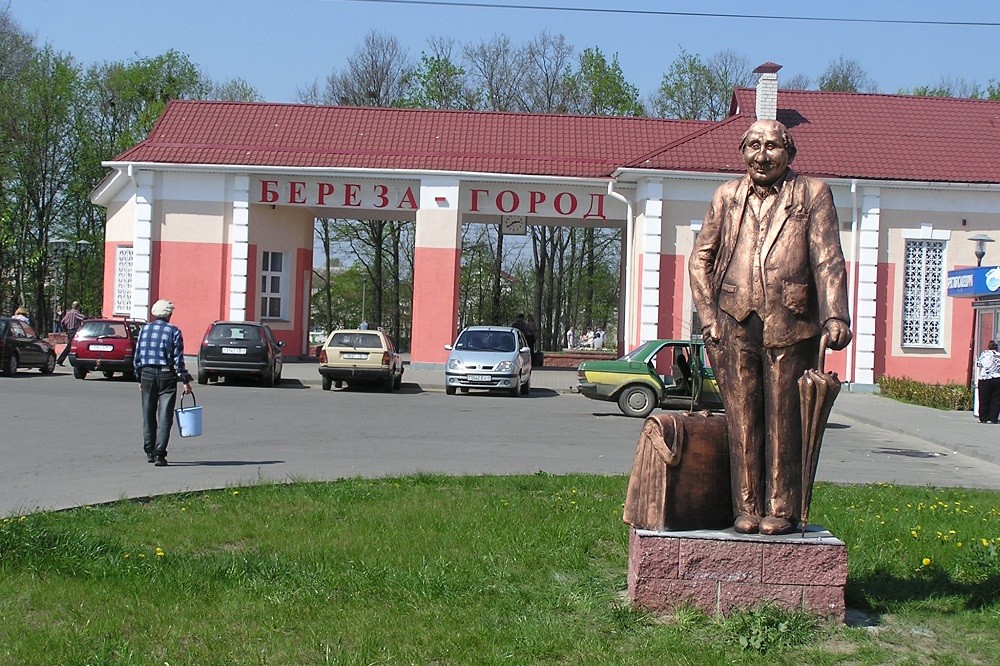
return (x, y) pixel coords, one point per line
(240, 349)
(22, 347)
(106, 346)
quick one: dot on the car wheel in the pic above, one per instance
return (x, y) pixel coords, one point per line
(638, 401)
(129, 376)
(79, 372)
(339, 384)
(465, 390)
(50, 365)
(515, 390)
(398, 381)
(108, 374)
(327, 383)
(387, 384)
(526, 387)
(268, 379)
(202, 377)
(10, 367)
(450, 390)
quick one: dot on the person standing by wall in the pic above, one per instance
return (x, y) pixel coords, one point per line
(531, 331)
(71, 322)
(988, 366)
(21, 314)
(159, 363)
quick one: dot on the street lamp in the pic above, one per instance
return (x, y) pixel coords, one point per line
(981, 241)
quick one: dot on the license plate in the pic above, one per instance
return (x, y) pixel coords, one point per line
(234, 350)
(104, 348)
(480, 378)
(354, 355)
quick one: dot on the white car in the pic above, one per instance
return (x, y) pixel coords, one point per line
(489, 357)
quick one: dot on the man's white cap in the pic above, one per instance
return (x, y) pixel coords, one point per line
(162, 308)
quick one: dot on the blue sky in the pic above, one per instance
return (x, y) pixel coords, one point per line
(280, 46)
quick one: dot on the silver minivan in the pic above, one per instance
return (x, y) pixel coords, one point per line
(489, 357)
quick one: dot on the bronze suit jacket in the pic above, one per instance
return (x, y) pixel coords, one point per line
(805, 280)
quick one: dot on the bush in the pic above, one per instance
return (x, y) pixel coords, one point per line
(940, 396)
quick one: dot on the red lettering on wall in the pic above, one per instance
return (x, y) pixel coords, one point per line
(474, 208)
(559, 206)
(380, 196)
(597, 199)
(268, 195)
(325, 190)
(515, 200)
(295, 195)
(535, 199)
(351, 195)
(409, 199)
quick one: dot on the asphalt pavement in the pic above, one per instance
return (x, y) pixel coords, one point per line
(958, 432)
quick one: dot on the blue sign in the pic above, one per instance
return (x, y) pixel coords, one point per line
(973, 282)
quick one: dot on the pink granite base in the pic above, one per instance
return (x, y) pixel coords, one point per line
(720, 571)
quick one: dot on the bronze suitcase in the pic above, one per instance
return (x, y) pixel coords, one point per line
(680, 475)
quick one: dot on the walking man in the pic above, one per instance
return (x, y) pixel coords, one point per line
(768, 278)
(71, 322)
(159, 363)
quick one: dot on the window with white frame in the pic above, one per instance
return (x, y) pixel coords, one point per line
(923, 292)
(123, 280)
(273, 286)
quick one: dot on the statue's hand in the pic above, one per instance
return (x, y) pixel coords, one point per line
(837, 333)
(710, 333)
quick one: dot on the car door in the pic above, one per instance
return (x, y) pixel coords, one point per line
(705, 390)
(525, 356)
(27, 353)
(275, 349)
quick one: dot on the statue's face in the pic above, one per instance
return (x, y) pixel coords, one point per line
(765, 153)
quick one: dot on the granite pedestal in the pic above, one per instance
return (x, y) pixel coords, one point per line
(720, 571)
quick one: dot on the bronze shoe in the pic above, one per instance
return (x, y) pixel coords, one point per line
(775, 525)
(746, 524)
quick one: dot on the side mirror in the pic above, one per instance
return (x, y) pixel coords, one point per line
(448, 347)
(281, 343)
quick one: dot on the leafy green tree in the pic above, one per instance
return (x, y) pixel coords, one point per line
(599, 88)
(234, 90)
(846, 75)
(498, 71)
(686, 89)
(948, 86)
(438, 82)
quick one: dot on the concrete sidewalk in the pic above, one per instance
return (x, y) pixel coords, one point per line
(958, 432)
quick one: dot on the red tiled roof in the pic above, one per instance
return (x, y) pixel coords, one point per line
(850, 135)
(293, 135)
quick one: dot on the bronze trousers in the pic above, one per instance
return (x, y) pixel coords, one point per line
(759, 388)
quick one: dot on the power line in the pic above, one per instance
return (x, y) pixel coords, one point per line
(656, 12)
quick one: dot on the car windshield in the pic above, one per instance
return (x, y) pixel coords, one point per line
(640, 353)
(494, 341)
(227, 332)
(356, 340)
(102, 329)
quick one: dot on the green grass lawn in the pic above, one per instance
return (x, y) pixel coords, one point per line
(466, 570)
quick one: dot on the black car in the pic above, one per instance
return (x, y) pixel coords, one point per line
(22, 347)
(240, 349)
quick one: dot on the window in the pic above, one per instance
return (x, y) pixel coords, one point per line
(272, 286)
(923, 293)
(123, 280)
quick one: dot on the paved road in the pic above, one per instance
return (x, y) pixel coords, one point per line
(68, 442)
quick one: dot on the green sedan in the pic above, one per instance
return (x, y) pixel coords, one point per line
(673, 374)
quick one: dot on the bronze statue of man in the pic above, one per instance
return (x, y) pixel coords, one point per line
(768, 279)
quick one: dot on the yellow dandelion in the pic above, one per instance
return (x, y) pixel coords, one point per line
(926, 561)
(126, 556)
(984, 542)
(159, 552)
(236, 492)
(142, 556)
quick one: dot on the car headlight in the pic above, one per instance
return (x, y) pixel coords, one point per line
(455, 364)
(505, 366)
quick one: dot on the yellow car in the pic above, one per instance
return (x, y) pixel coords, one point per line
(360, 357)
(671, 374)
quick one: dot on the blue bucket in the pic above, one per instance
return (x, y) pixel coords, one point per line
(188, 418)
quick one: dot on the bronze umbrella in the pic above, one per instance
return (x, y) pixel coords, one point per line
(817, 391)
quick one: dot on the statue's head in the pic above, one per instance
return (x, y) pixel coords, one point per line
(767, 149)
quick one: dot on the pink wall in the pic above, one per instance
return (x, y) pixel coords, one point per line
(435, 303)
(673, 278)
(199, 295)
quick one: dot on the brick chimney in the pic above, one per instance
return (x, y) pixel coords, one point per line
(767, 91)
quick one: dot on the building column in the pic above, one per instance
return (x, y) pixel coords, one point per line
(142, 245)
(866, 310)
(647, 249)
(437, 255)
(239, 246)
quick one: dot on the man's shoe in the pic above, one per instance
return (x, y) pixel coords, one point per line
(150, 457)
(746, 524)
(774, 525)
(160, 461)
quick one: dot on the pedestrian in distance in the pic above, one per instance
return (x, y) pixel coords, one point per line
(531, 332)
(71, 321)
(159, 364)
(988, 368)
(21, 314)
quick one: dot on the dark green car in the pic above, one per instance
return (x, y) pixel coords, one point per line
(673, 374)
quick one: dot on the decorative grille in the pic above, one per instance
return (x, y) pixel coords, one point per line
(923, 293)
(123, 280)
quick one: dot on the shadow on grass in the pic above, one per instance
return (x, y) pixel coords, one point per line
(879, 590)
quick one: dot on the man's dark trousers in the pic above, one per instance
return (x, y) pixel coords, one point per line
(159, 395)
